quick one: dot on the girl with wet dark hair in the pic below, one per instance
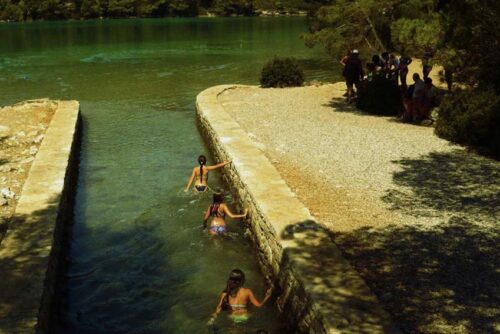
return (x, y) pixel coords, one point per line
(235, 298)
(218, 211)
(201, 174)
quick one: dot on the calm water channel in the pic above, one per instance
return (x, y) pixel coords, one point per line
(139, 261)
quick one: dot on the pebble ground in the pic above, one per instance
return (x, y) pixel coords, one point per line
(416, 215)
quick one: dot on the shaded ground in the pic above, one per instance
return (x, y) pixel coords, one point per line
(31, 240)
(22, 128)
(414, 214)
(433, 280)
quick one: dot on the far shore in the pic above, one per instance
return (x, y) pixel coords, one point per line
(258, 13)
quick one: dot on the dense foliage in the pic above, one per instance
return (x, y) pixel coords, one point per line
(463, 36)
(380, 96)
(471, 117)
(21, 10)
(282, 72)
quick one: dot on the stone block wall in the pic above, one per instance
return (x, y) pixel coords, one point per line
(31, 252)
(319, 292)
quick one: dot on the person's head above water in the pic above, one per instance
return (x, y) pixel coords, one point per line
(218, 198)
(235, 282)
(202, 160)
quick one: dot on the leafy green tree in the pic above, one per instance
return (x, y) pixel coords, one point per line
(416, 36)
(233, 7)
(91, 9)
(120, 8)
(151, 8)
(471, 43)
(375, 25)
(11, 12)
(348, 24)
(183, 8)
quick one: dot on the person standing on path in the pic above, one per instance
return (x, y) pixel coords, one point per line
(353, 73)
(417, 98)
(426, 65)
(343, 62)
(403, 71)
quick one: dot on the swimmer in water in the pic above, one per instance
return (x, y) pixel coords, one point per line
(201, 174)
(218, 211)
(235, 299)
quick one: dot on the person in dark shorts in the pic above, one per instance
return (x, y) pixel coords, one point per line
(353, 73)
(426, 64)
(403, 71)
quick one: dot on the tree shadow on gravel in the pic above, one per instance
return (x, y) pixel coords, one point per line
(445, 279)
(456, 182)
(343, 299)
(340, 105)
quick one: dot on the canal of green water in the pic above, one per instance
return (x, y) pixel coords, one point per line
(139, 261)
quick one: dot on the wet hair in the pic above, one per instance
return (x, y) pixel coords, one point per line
(235, 282)
(233, 285)
(202, 160)
(218, 198)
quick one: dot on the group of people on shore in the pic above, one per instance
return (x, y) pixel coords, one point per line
(234, 298)
(419, 98)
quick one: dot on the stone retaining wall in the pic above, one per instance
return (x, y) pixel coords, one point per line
(31, 251)
(320, 291)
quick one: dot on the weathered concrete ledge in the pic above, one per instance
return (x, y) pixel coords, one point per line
(31, 251)
(321, 292)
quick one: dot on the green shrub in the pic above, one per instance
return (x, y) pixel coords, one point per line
(380, 96)
(282, 72)
(471, 117)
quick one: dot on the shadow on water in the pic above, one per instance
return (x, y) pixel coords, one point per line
(126, 282)
(456, 182)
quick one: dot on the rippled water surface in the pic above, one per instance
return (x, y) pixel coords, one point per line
(139, 261)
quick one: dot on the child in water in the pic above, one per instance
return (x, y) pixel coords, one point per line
(235, 298)
(218, 211)
(201, 174)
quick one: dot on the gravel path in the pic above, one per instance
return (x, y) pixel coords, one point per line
(416, 215)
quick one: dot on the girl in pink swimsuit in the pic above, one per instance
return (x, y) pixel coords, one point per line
(218, 211)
